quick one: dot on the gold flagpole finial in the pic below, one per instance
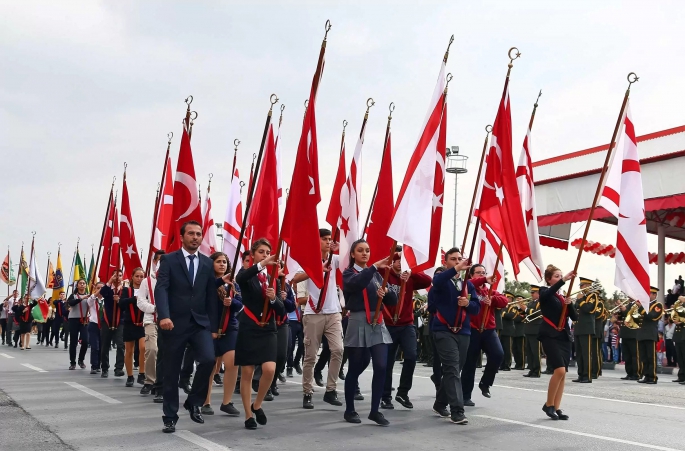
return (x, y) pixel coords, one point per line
(447, 52)
(280, 118)
(369, 103)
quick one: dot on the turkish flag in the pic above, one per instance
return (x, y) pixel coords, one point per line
(301, 222)
(334, 207)
(417, 217)
(186, 198)
(500, 204)
(383, 204)
(264, 216)
(115, 251)
(106, 244)
(164, 210)
(208, 245)
(128, 237)
(233, 221)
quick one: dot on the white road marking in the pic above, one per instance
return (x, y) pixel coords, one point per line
(201, 442)
(90, 392)
(582, 434)
(34, 368)
(7, 356)
(596, 397)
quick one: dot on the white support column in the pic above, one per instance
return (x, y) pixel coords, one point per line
(661, 261)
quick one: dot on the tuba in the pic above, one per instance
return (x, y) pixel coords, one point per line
(633, 318)
(678, 310)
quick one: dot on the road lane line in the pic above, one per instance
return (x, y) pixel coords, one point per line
(90, 392)
(201, 442)
(34, 368)
(582, 434)
(596, 397)
(7, 356)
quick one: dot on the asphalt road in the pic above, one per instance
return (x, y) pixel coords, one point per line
(54, 408)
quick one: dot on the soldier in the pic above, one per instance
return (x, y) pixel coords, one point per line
(679, 342)
(508, 330)
(629, 349)
(518, 348)
(647, 336)
(600, 319)
(531, 329)
(584, 331)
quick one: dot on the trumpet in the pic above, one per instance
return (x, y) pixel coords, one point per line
(594, 288)
(619, 305)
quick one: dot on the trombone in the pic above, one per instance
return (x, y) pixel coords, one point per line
(535, 314)
(595, 287)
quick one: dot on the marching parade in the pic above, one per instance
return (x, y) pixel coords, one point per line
(280, 315)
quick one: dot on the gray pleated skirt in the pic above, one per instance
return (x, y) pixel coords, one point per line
(361, 334)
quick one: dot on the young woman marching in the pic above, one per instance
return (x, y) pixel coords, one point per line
(78, 324)
(132, 317)
(556, 343)
(362, 288)
(22, 313)
(224, 346)
(286, 294)
(257, 337)
(94, 308)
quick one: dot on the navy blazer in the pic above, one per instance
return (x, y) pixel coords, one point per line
(444, 300)
(178, 300)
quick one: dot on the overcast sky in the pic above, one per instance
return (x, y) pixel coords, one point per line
(86, 86)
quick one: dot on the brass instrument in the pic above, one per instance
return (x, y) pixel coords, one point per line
(619, 305)
(535, 314)
(595, 287)
(677, 312)
(633, 317)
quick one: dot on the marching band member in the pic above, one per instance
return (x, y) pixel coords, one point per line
(256, 342)
(556, 343)
(509, 312)
(78, 321)
(146, 303)
(134, 332)
(485, 340)
(365, 341)
(531, 329)
(518, 343)
(629, 347)
(679, 342)
(400, 324)
(647, 336)
(584, 331)
(451, 326)
(600, 319)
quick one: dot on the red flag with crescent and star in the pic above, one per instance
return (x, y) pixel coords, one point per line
(127, 237)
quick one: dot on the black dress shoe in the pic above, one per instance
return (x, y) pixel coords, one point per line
(141, 378)
(549, 410)
(642, 381)
(289, 372)
(229, 409)
(281, 378)
(387, 404)
(626, 378)
(682, 383)
(561, 415)
(469, 403)
(147, 388)
(404, 401)
(250, 423)
(484, 390)
(274, 390)
(130, 381)
(169, 427)
(158, 399)
(378, 418)
(650, 382)
(318, 378)
(678, 380)
(269, 396)
(527, 375)
(118, 373)
(352, 417)
(259, 413)
(104, 374)
(331, 397)
(634, 378)
(307, 401)
(358, 396)
(185, 386)
(195, 412)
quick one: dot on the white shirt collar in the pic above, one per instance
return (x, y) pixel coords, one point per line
(186, 253)
(358, 268)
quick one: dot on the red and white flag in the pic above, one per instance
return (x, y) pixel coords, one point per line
(381, 212)
(500, 204)
(233, 220)
(208, 245)
(164, 210)
(622, 196)
(106, 244)
(487, 248)
(186, 197)
(279, 172)
(350, 196)
(128, 238)
(115, 252)
(417, 217)
(524, 179)
(334, 207)
(301, 222)
(264, 217)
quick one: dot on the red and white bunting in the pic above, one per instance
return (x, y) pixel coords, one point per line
(524, 179)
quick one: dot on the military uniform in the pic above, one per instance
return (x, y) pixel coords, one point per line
(600, 318)
(629, 349)
(531, 330)
(584, 333)
(507, 333)
(679, 341)
(518, 346)
(647, 336)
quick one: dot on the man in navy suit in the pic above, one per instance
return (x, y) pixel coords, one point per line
(187, 302)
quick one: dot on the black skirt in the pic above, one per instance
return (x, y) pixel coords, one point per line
(24, 328)
(255, 345)
(557, 350)
(225, 343)
(133, 332)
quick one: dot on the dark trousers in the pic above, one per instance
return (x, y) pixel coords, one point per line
(648, 359)
(106, 337)
(584, 361)
(596, 358)
(65, 333)
(680, 358)
(77, 331)
(94, 342)
(506, 348)
(324, 356)
(629, 351)
(158, 387)
(54, 331)
(403, 337)
(518, 349)
(670, 353)
(487, 342)
(188, 364)
(175, 342)
(533, 348)
(3, 326)
(296, 334)
(281, 350)
(452, 349)
(8, 329)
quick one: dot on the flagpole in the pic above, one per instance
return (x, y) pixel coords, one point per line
(102, 235)
(9, 271)
(71, 275)
(391, 107)
(33, 241)
(236, 143)
(47, 271)
(273, 99)
(488, 130)
(632, 78)
(155, 214)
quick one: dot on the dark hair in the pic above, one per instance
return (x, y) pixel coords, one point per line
(216, 255)
(245, 255)
(439, 269)
(117, 270)
(324, 232)
(185, 224)
(451, 251)
(472, 270)
(352, 248)
(160, 252)
(258, 243)
(135, 270)
(398, 248)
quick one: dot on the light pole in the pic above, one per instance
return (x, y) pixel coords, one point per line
(220, 235)
(456, 164)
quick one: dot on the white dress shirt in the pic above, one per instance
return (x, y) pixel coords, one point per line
(331, 303)
(196, 261)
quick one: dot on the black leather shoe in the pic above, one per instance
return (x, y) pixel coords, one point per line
(387, 404)
(404, 401)
(250, 423)
(469, 403)
(147, 388)
(352, 417)
(642, 381)
(289, 372)
(130, 381)
(626, 378)
(650, 382)
(185, 386)
(341, 375)
(682, 383)
(195, 412)
(229, 409)
(561, 415)
(169, 427)
(550, 411)
(118, 373)
(274, 390)
(484, 390)
(441, 411)
(217, 380)
(331, 397)
(307, 402)
(158, 399)
(259, 413)
(378, 418)
(281, 378)
(358, 396)
(678, 380)
(527, 375)
(318, 378)
(141, 378)
(269, 396)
